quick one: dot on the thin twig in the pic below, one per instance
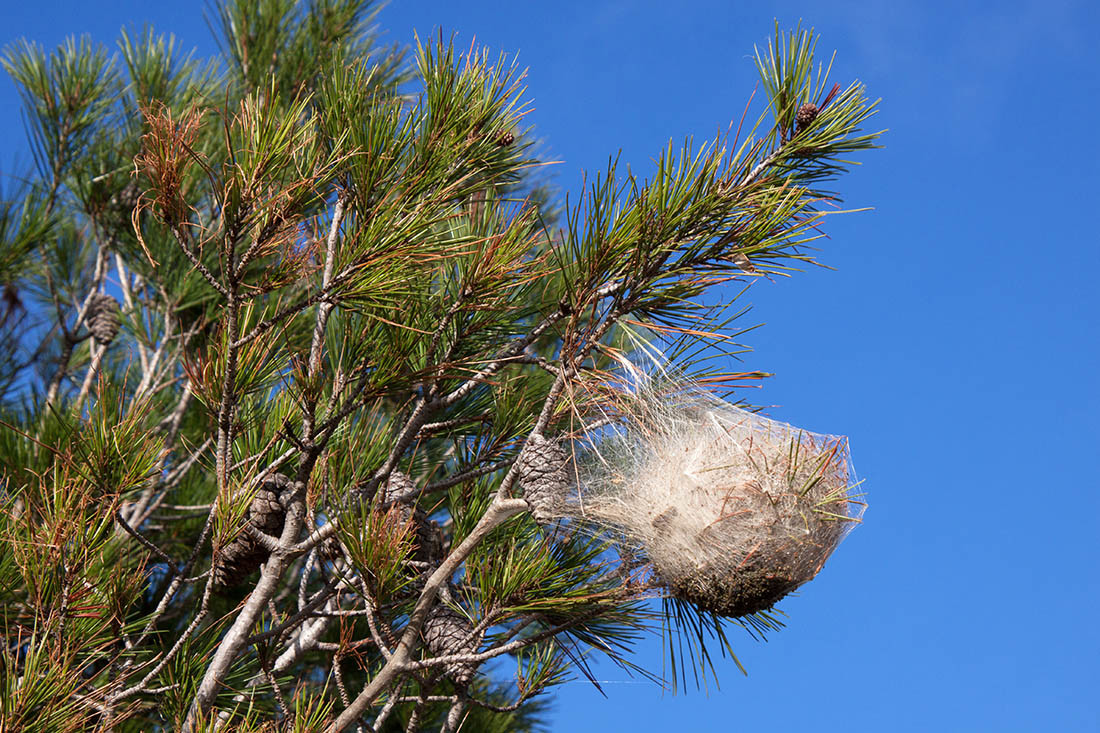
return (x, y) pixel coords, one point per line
(199, 617)
(318, 598)
(499, 511)
(326, 305)
(181, 240)
(140, 538)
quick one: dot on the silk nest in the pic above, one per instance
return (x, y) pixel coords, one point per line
(729, 510)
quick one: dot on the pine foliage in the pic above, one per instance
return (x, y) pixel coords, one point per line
(276, 330)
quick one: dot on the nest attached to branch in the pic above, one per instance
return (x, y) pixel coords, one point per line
(731, 510)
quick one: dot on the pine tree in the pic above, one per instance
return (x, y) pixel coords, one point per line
(297, 347)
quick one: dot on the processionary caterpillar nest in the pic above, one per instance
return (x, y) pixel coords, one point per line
(732, 510)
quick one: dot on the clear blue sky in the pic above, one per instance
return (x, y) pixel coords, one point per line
(956, 343)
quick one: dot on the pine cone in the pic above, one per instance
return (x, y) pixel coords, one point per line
(398, 486)
(332, 549)
(401, 489)
(11, 298)
(429, 540)
(447, 632)
(244, 555)
(127, 198)
(543, 476)
(103, 318)
(504, 138)
(807, 113)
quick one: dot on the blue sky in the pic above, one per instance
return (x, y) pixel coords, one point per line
(956, 342)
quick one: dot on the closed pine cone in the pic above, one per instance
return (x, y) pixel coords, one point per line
(245, 554)
(398, 486)
(543, 476)
(429, 540)
(103, 318)
(805, 116)
(447, 632)
(400, 489)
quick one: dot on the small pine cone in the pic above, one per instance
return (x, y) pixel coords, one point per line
(127, 198)
(332, 549)
(447, 632)
(505, 138)
(103, 318)
(11, 301)
(245, 554)
(543, 476)
(807, 113)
